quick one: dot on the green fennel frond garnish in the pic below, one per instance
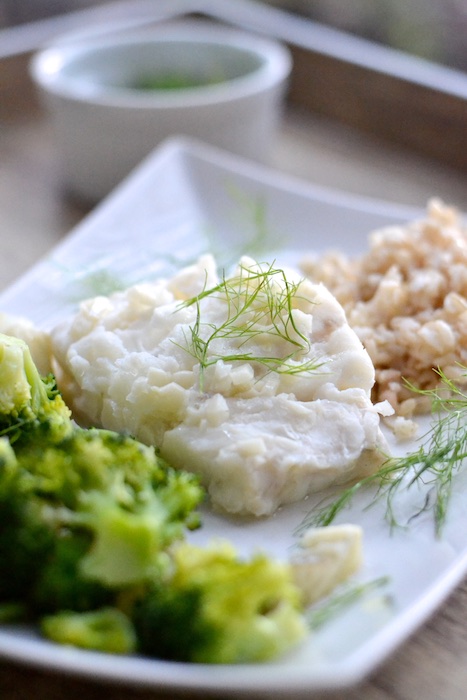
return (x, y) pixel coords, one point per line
(333, 606)
(432, 466)
(259, 305)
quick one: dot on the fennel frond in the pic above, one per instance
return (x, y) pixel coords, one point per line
(433, 465)
(259, 305)
(334, 605)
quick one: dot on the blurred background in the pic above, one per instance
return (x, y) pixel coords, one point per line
(18, 11)
(363, 113)
(432, 29)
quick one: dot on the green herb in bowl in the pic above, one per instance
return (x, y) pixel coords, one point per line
(175, 81)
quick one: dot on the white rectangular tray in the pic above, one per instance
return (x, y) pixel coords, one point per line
(185, 199)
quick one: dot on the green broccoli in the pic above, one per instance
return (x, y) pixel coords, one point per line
(209, 607)
(25, 540)
(60, 583)
(39, 559)
(106, 629)
(29, 404)
(214, 607)
(85, 517)
(118, 491)
(92, 542)
(76, 541)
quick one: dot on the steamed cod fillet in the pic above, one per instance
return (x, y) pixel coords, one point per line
(256, 381)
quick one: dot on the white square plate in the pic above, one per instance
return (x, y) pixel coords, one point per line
(186, 199)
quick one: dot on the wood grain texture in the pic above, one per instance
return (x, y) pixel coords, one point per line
(420, 118)
(18, 97)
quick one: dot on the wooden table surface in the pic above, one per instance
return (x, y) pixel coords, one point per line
(35, 214)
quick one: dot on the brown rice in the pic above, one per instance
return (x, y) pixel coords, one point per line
(406, 298)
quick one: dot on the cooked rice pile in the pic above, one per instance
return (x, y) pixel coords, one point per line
(407, 300)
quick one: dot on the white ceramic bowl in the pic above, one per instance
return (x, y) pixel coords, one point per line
(104, 122)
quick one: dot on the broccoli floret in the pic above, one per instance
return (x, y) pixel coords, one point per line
(61, 584)
(39, 560)
(83, 518)
(119, 492)
(106, 629)
(92, 527)
(111, 537)
(25, 540)
(217, 608)
(29, 404)
(170, 624)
